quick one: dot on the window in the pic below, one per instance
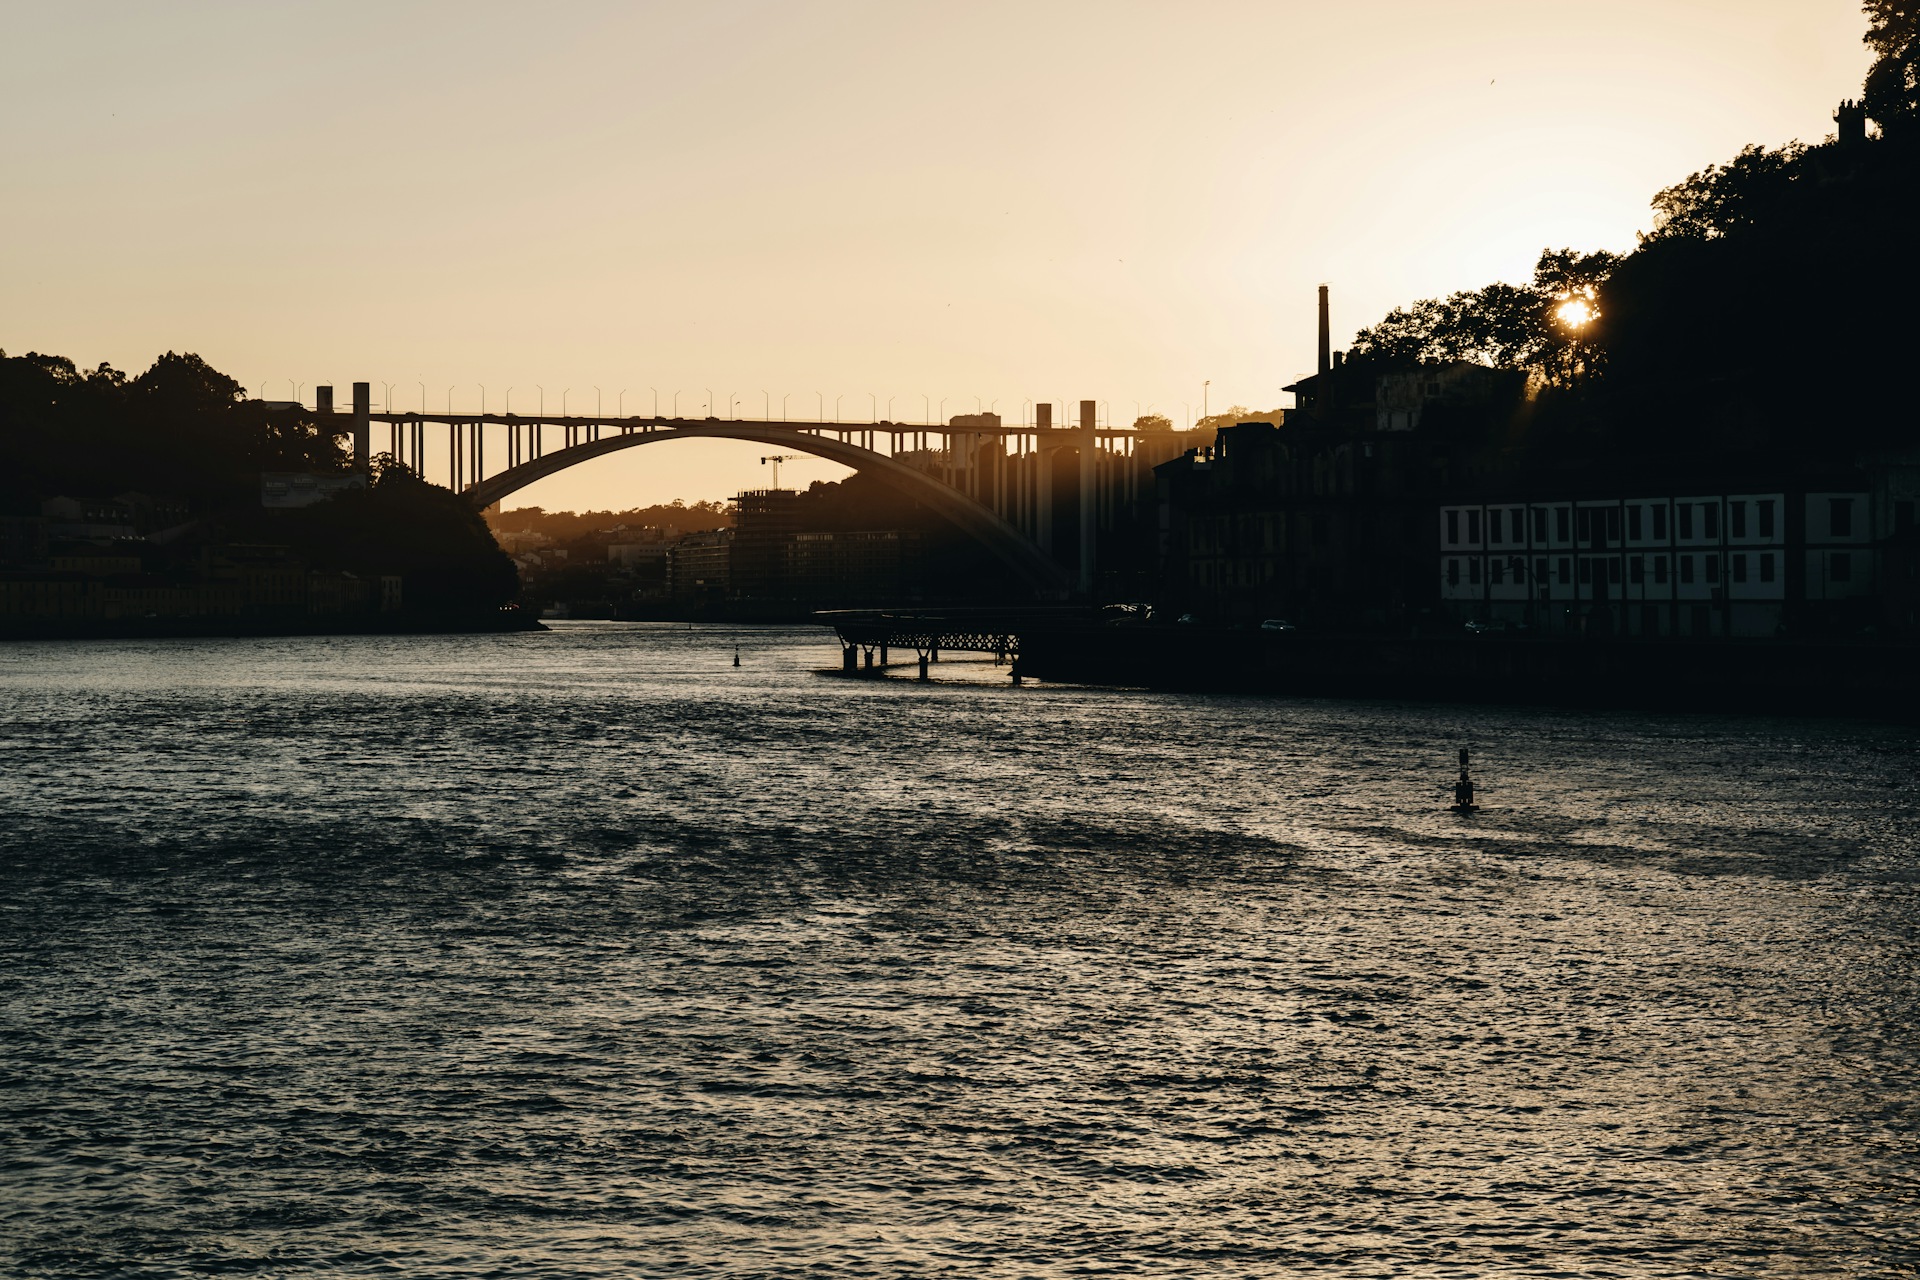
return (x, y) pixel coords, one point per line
(1473, 526)
(1613, 524)
(1713, 568)
(1840, 517)
(1660, 521)
(1540, 571)
(1683, 512)
(1539, 524)
(1686, 568)
(1633, 523)
(1902, 516)
(1453, 528)
(1585, 523)
(1497, 571)
(1710, 519)
(1659, 567)
(1495, 521)
(1473, 570)
(1737, 522)
(1637, 568)
(1842, 568)
(1613, 569)
(1453, 571)
(1766, 566)
(1765, 506)
(1739, 565)
(1519, 566)
(1586, 569)
(1566, 570)
(1560, 523)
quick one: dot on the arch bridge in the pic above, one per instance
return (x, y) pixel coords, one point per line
(995, 482)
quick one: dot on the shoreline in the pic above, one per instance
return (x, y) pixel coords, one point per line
(505, 622)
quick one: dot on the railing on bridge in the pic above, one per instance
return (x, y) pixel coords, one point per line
(927, 632)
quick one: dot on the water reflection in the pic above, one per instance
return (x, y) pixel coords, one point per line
(587, 954)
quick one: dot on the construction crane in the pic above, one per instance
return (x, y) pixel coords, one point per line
(776, 459)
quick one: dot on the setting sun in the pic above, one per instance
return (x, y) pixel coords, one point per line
(1575, 313)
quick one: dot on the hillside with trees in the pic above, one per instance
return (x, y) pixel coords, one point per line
(1769, 308)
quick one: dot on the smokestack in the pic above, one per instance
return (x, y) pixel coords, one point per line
(323, 399)
(1326, 333)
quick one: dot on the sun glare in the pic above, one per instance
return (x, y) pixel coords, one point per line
(1574, 313)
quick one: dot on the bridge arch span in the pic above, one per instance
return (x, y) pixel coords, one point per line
(1012, 547)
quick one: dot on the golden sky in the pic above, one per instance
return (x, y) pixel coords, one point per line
(1015, 202)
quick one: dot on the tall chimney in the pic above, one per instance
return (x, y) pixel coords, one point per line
(1326, 333)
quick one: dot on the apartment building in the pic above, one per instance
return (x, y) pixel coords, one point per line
(1741, 564)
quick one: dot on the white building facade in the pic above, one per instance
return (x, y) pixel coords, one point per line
(1689, 565)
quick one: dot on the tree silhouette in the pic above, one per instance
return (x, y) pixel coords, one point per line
(1892, 92)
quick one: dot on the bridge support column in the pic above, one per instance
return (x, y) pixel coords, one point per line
(850, 659)
(1089, 512)
(923, 668)
(869, 662)
(362, 407)
(1043, 477)
(883, 655)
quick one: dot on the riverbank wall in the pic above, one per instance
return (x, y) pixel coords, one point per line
(403, 623)
(1761, 676)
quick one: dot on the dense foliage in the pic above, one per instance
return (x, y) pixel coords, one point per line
(400, 524)
(181, 428)
(564, 526)
(1892, 94)
(184, 430)
(1768, 309)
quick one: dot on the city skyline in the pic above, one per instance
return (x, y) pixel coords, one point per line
(1047, 206)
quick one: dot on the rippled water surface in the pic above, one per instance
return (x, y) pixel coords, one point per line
(588, 954)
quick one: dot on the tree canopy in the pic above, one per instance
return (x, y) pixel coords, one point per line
(181, 428)
(1892, 91)
(1539, 327)
(1769, 308)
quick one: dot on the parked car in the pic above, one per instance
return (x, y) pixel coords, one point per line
(1277, 624)
(1482, 626)
(1187, 619)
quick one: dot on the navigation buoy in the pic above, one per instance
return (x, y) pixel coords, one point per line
(1463, 788)
(736, 655)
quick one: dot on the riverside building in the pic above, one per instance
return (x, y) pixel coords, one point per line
(1746, 564)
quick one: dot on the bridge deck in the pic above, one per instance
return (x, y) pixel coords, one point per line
(811, 425)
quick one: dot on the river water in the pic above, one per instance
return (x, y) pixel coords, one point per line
(589, 954)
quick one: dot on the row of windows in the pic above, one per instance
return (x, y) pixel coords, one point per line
(1642, 520)
(1741, 567)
